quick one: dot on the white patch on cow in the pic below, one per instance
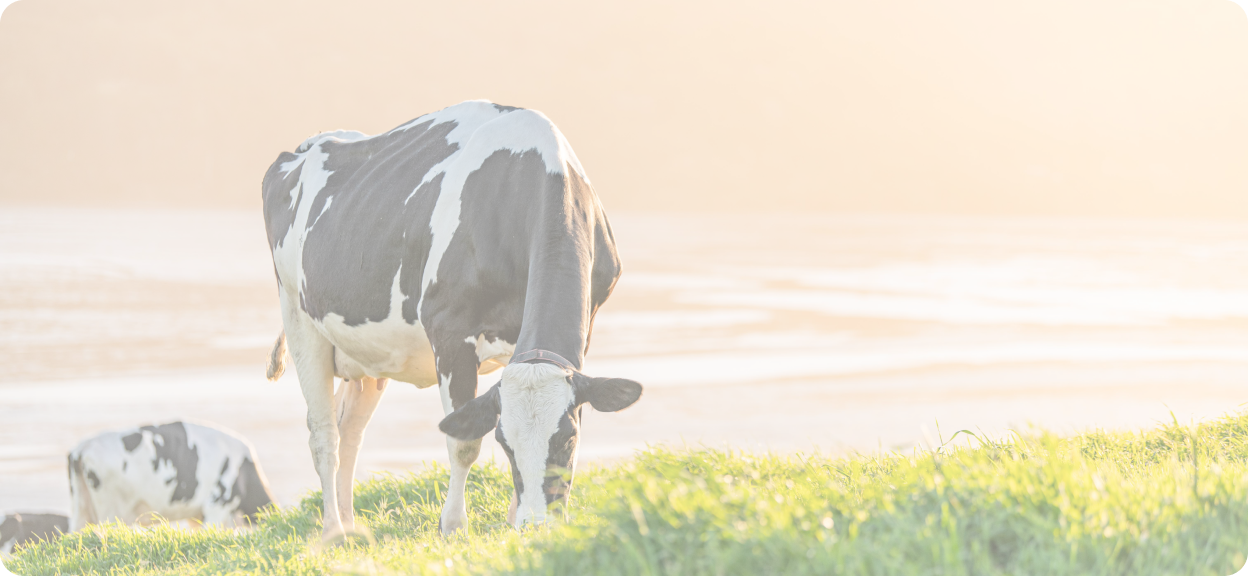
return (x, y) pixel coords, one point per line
(534, 397)
(334, 136)
(391, 348)
(467, 115)
(491, 355)
(444, 391)
(324, 208)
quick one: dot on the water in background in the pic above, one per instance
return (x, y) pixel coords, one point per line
(785, 332)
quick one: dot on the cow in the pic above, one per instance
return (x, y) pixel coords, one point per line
(23, 527)
(461, 242)
(177, 470)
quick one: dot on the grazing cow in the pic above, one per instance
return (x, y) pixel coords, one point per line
(21, 527)
(179, 470)
(466, 240)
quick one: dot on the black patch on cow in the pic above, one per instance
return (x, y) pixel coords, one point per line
(172, 447)
(502, 108)
(416, 238)
(353, 250)
(248, 488)
(131, 441)
(606, 394)
(458, 362)
(219, 493)
(516, 481)
(252, 490)
(562, 447)
(473, 419)
(279, 192)
(522, 228)
(93, 479)
(78, 471)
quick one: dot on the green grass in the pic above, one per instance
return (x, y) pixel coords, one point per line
(1166, 501)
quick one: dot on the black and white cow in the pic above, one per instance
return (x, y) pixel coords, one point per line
(463, 241)
(23, 527)
(179, 471)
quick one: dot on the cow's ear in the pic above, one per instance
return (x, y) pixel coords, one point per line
(474, 419)
(606, 394)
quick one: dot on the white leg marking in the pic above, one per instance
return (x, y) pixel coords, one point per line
(462, 454)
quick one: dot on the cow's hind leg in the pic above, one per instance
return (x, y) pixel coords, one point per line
(457, 381)
(314, 364)
(358, 400)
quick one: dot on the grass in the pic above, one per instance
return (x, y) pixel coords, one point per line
(1173, 500)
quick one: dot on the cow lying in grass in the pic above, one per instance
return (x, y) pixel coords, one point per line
(20, 528)
(177, 471)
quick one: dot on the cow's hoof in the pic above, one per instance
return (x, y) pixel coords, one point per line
(358, 535)
(333, 537)
(450, 526)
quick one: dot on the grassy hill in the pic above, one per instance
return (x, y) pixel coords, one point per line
(1168, 501)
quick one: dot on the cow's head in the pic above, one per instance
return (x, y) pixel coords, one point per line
(535, 410)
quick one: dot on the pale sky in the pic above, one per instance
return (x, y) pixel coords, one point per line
(1103, 108)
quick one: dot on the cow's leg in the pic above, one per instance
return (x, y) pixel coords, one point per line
(457, 381)
(358, 401)
(314, 364)
(511, 509)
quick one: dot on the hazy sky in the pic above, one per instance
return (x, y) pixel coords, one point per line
(1114, 107)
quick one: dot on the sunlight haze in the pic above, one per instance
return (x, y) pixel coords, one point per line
(1115, 108)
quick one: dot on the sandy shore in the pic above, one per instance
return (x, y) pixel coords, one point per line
(765, 333)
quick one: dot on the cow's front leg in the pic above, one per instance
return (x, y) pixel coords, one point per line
(358, 400)
(457, 381)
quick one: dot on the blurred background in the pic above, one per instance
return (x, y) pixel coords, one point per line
(845, 226)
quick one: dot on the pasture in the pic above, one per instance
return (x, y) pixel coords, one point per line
(1170, 500)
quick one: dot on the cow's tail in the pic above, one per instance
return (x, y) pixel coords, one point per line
(277, 359)
(81, 506)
